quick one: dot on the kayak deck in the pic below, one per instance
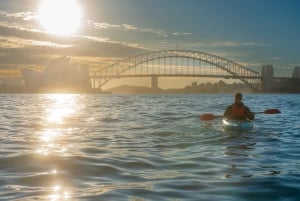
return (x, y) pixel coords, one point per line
(239, 125)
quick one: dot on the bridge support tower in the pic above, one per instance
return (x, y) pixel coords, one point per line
(154, 82)
(267, 75)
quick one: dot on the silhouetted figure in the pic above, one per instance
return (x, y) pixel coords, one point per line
(238, 111)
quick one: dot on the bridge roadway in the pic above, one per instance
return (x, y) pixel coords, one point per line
(168, 75)
(176, 63)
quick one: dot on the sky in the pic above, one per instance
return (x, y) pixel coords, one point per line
(250, 32)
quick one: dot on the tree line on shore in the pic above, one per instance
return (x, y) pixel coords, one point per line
(194, 87)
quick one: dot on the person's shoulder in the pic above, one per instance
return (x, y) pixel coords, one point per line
(247, 108)
(229, 107)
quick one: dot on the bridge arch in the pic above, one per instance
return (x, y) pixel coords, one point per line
(209, 66)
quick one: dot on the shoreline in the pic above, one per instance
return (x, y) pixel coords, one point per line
(163, 91)
(53, 91)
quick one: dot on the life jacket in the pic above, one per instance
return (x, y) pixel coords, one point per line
(237, 111)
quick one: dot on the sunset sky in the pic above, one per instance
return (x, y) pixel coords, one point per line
(250, 32)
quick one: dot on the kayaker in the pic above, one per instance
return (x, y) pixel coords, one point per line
(237, 110)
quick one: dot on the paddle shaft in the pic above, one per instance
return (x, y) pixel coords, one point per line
(208, 117)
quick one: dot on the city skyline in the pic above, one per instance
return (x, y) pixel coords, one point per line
(252, 33)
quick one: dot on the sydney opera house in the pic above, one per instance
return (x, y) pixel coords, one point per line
(58, 75)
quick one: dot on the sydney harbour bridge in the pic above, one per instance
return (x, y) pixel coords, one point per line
(176, 63)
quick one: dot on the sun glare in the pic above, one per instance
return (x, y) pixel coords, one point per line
(59, 17)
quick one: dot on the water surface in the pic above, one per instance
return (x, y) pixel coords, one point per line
(146, 147)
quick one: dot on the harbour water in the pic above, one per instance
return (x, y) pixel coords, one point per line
(146, 147)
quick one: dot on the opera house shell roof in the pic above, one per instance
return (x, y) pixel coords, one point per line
(58, 74)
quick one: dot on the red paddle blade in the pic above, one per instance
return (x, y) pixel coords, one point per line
(207, 117)
(272, 111)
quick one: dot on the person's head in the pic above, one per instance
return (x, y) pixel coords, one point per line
(238, 97)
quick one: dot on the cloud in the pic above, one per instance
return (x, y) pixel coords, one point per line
(225, 44)
(179, 33)
(104, 25)
(121, 27)
(22, 15)
(19, 48)
(23, 43)
(17, 32)
(17, 37)
(24, 25)
(96, 39)
(294, 65)
(277, 58)
(128, 27)
(14, 42)
(234, 44)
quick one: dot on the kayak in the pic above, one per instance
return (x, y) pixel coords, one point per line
(238, 125)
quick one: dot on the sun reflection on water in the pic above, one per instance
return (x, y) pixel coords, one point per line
(59, 194)
(54, 138)
(59, 108)
(62, 106)
(49, 135)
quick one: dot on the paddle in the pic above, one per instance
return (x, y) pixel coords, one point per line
(208, 116)
(269, 111)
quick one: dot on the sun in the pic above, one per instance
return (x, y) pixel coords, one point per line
(59, 17)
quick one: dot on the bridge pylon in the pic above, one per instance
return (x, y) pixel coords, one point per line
(154, 82)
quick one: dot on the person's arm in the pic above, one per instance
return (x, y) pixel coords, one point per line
(227, 112)
(249, 114)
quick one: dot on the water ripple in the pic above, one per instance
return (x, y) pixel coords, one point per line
(145, 147)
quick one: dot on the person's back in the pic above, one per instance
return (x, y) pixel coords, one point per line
(238, 111)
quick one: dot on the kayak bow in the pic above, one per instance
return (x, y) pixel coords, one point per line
(238, 125)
